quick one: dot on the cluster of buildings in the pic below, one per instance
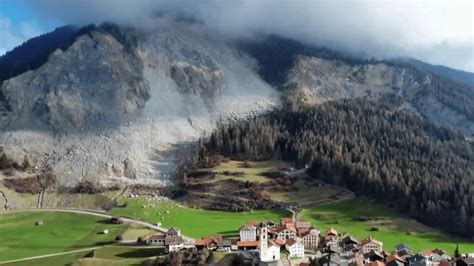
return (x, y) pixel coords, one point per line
(304, 242)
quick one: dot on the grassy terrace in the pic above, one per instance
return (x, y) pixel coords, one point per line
(394, 228)
(193, 222)
(20, 237)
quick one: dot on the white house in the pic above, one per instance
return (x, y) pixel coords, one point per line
(295, 248)
(156, 240)
(173, 231)
(311, 239)
(269, 251)
(286, 231)
(248, 233)
(174, 243)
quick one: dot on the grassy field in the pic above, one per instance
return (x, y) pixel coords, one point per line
(193, 222)
(394, 228)
(20, 237)
(66, 259)
(252, 174)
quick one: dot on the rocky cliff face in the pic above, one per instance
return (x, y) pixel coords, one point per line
(116, 102)
(111, 111)
(314, 80)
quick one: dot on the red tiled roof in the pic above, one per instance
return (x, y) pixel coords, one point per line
(286, 220)
(291, 241)
(247, 243)
(429, 252)
(279, 241)
(369, 240)
(288, 226)
(303, 231)
(208, 240)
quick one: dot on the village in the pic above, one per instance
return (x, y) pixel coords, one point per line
(296, 242)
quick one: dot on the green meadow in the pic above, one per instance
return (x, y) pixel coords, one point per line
(393, 227)
(192, 222)
(61, 231)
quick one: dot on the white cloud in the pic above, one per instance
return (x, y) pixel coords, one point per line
(418, 28)
(14, 35)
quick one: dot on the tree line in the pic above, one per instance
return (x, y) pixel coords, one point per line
(375, 149)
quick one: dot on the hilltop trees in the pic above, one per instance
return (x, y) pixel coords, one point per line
(375, 149)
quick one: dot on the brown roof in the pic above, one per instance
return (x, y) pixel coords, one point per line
(332, 231)
(279, 241)
(247, 243)
(174, 240)
(288, 226)
(375, 263)
(429, 252)
(444, 263)
(303, 224)
(286, 220)
(153, 237)
(249, 227)
(369, 240)
(303, 231)
(207, 240)
(291, 241)
(393, 257)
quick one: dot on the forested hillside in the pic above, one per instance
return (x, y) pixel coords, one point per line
(375, 149)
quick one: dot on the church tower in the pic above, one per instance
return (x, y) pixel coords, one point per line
(263, 244)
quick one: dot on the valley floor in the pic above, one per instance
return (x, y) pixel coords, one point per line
(63, 232)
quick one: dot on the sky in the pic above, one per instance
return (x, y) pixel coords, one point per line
(435, 31)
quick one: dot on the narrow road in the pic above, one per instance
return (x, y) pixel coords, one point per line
(104, 215)
(49, 255)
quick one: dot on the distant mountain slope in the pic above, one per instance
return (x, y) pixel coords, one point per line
(33, 53)
(447, 72)
(311, 76)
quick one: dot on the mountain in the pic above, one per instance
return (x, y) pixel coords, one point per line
(35, 52)
(447, 72)
(115, 102)
(311, 75)
(110, 104)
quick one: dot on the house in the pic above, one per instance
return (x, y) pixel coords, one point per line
(403, 250)
(395, 260)
(156, 240)
(279, 241)
(248, 233)
(355, 259)
(310, 239)
(331, 243)
(209, 242)
(295, 248)
(374, 255)
(247, 245)
(269, 250)
(420, 260)
(174, 243)
(349, 243)
(465, 262)
(224, 245)
(285, 231)
(370, 244)
(303, 225)
(436, 255)
(287, 220)
(330, 260)
(331, 234)
(173, 231)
